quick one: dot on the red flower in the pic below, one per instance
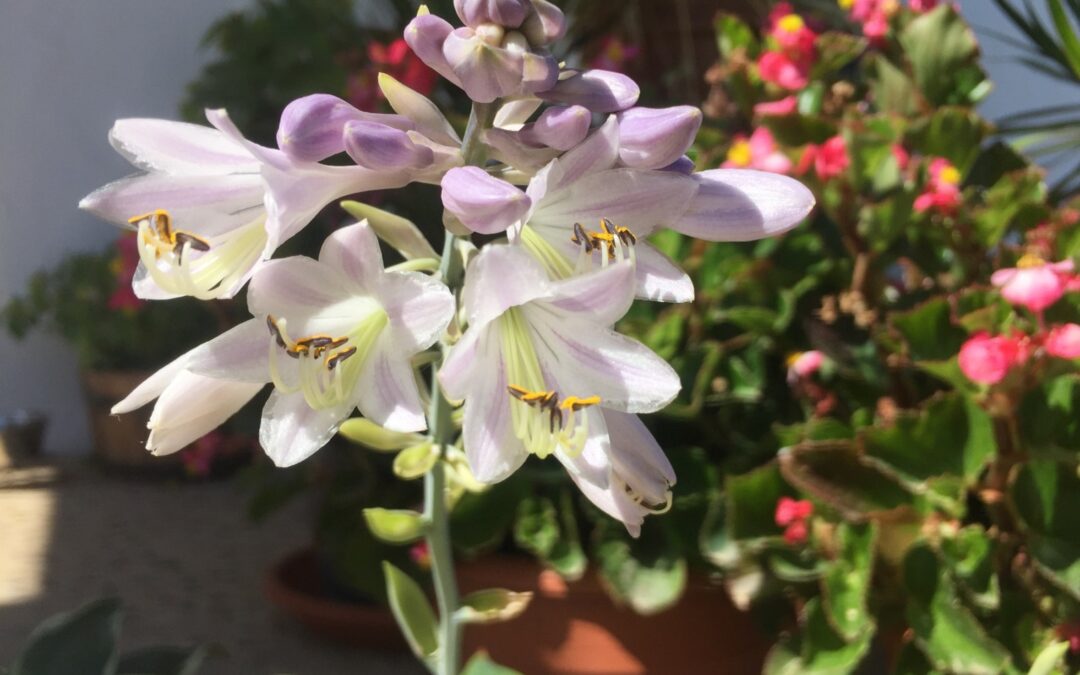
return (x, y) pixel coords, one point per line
(987, 360)
(830, 159)
(942, 193)
(792, 514)
(396, 60)
(1064, 341)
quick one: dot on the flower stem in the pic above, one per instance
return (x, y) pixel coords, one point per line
(436, 511)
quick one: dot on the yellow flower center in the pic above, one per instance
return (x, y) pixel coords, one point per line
(740, 154)
(845, 4)
(1030, 260)
(949, 175)
(793, 358)
(791, 23)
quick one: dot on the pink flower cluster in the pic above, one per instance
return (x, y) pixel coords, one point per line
(788, 65)
(942, 193)
(1035, 285)
(874, 15)
(759, 151)
(829, 160)
(792, 515)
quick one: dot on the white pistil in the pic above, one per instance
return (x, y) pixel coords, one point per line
(327, 368)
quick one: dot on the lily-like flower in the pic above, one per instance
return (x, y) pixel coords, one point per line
(1034, 283)
(541, 372)
(587, 186)
(331, 335)
(211, 205)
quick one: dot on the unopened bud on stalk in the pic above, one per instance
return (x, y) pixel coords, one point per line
(508, 13)
(481, 202)
(545, 25)
(559, 127)
(379, 147)
(312, 127)
(601, 91)
(651, 138)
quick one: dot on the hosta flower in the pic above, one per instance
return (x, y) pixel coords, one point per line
(942, 193)
(331, 335)
(587, 185)
(211, 205)
(541, 372)
(1064, 341)
(987, 360)
(757, 152)
(1033, 283)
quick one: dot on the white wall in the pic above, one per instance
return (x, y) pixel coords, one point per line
(68, 68)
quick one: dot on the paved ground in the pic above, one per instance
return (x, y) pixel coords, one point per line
(182, 557)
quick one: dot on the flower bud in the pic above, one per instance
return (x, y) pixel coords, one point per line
(508, 13)
(650, 138)
(484, 72)
(426, 35)
(311, 127)
(545, 25)
(379, 147)
(559, 127)
(482, 203)
(683, 165)
(601, 91)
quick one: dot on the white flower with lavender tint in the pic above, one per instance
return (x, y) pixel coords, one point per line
(542, 372)
(332, 335)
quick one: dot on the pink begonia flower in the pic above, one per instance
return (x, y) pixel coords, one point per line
(792, 515)
(830, 159)
(791, 33)
(780, 69)
(805, 364)
(922, 5)
(942, 193)
(1064, 341)
(757, 152)
(785, 106)
(987, 360)
(1034, 283)
(874, 16)
(902, 156)
(614, 54)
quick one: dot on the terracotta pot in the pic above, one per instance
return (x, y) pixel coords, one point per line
(120, 440)
(577, 629)
(296, 587)
(568, 630)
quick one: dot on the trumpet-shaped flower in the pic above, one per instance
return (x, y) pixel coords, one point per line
(211, 205)
(587, 186)
(331, 335)
(541, 372)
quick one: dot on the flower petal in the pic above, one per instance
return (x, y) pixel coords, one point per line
(420, 309)
(482, 202)
(164, 146)
(354, 251)
(490, 445)
(292, 431)
(601, 91)
(639, 200)
(192, 406)
(590, 360)
(602, 296)
(743, 205)
(153, 386)
(240, 354)
(598, 152)
(486, 73)
(638, 458)
(426, 115)
(592, 464)
(614, 501)
(660, 279)
(501, 277)
(461, 362)
(387, 392)
(295, 286)
(652, 138)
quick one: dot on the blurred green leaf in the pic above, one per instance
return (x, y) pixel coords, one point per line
(481, 664)
(819, 650)
(929, 331)
(1050, 659)
(1046, 496)
(970, 557)
(952, 132)
(945, 630)
(162, 661)
(85, 638)
(894, 92)
(942, 49)
(733, 35)
(846, 582)
(836, 50)
(480, 521)
(646, 573)
(552, 536)
(751, 502)
(1049, 416)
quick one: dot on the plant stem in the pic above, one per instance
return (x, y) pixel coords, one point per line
(436, 511)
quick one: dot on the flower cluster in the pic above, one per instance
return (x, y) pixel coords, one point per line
(793, 515)
(576, 177)
(792, 53)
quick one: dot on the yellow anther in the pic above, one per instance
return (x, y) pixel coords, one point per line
(576, 403)
(791, 23)
(949, 175)
(1030, 260)
(792, 358)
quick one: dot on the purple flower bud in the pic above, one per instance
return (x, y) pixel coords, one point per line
(482, 203)
(382, 148)
(426, 34)
(545, 25)
(559, 128)
(539, 72)
(485, 72)
(508, 13)
(312, 127)
(651, 138)
(600, 91)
